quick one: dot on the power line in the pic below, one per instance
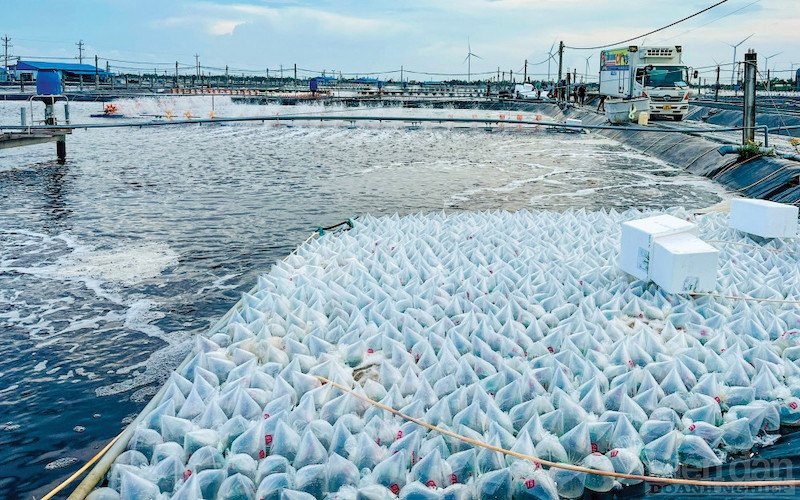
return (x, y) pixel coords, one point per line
(650, 32)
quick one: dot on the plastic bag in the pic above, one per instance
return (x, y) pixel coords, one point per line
(626, 462)
(341, 472)
(210, 481)
(532, 483)
(133, 486)
(272, 486)
(577, 443)
(103, 494)
(660, 456)
(195, 440)
(312, 479)
(496, 485)
(418, 491)
(168, 473)
(391, 472)
(241, 464)
(237, 487)
(570, 484)
(695, 452)
(285, 442)
(145, 440)
(597, 482)
(174, 428)
(164, 450)
(736, 435)
(550, 448)
(250, 442)
(463, 466)
(310, 451)
(207, 457)
(430, 470)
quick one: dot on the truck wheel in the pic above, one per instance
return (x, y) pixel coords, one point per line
(677, 118)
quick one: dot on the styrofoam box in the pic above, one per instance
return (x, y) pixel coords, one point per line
(638, 237)
(573, 121)
(764, 218)
(684, 263)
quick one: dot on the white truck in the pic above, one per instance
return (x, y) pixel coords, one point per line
(654, 72)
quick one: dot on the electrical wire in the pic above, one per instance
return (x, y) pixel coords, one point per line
(650, 32)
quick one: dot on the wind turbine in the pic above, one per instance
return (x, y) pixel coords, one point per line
(766, 60)
(586, 72)
(468, 59)
(550, 58)
(733, 68)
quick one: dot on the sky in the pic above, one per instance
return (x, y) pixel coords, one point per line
(379, 36)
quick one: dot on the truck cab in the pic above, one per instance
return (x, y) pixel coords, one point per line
(662, 77)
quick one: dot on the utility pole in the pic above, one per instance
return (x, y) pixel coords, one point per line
(498, 73)
(716, 87)
(197, 63)
(96, 74)
(80, 51)
(768, 82)
(401, 74)
(295, 73)
(560, 58)
(749, 101)
(5, 40)
(511, 75)
(176, 74)
(226, 76)
(525, 72)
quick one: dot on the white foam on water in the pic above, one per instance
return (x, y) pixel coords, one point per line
(61, 463)
(157, 367)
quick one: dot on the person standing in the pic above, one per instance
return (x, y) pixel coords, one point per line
(581, 93)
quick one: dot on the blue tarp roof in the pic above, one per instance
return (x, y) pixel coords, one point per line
(78, 69)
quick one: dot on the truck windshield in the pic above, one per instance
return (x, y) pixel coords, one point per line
(663, 76)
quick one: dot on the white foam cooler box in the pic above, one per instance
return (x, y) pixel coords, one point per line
(639, 236)
(684, 263)
(763, 218)
(573, 121)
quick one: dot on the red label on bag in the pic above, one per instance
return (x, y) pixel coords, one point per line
(614, 453)
(379, 441)
(692, 427)
(717, 399)
(594, 447)
(370, 350)
(430, 484)
(268, 439)
(530, 483)
(551, 349)
(262, 454)
(630, 363)
(266, 416)
(395, 489)
(793, 405)
(399, 434)
(187, 474)
(453, 479)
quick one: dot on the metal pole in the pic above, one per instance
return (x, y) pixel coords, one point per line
(525, 72)
(716, 88)
(176, 74)
(749, 110)
(560, 58)
(23, 118)
(96, 74)
(66, 112)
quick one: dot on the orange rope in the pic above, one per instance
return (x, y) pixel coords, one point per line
(576, 468)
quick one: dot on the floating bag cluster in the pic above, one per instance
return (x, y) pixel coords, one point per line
(516, 330)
